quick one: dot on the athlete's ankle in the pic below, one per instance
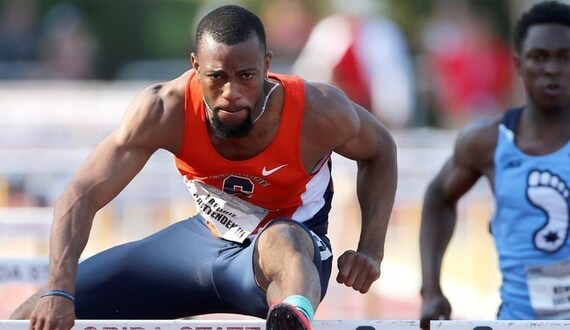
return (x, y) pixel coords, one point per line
(302, 304)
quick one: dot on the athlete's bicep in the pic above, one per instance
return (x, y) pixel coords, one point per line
(472, 155)
(472, 158)
(454, 180)
(120, 156)
(368, 137)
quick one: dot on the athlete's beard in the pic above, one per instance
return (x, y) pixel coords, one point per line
(222, 130)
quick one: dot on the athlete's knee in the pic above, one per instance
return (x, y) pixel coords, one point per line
(284, 249)
(285, 236)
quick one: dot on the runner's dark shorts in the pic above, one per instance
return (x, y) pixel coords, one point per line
(180, 271)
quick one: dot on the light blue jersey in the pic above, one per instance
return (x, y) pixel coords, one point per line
(530, 227)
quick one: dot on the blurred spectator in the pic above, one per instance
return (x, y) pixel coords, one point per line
(68, 48)
(367, 56)
(288, 24)
(468, 67)
(17, 41)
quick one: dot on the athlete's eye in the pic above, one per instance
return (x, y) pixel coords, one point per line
(537, 57)
(248, 75)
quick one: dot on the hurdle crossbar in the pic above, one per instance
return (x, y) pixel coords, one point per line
(220, 325)
(18, 221)
(255, 324)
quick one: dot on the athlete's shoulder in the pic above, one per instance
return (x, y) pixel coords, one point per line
(480, 130)
(161, 96)
(476, 142)
(328, 107)
(155, 114)
(330, 118)
(170, 92)
(327, 99)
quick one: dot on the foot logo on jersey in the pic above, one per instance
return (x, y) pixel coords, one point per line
(549, 193)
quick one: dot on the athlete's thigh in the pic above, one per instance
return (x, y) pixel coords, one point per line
(164, 276)
(322, 255)
(235, 277)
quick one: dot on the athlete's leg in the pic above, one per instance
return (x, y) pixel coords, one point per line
(150, 278)
(235, 272)
(167, 275)
(164, 276)
(283, 262)
(293, 265)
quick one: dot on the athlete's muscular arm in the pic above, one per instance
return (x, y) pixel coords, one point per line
(471, 159)
(354, 133)
(375, 152)
(146, 127)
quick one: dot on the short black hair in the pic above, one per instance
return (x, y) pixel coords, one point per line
(231, 25)
(542, 13)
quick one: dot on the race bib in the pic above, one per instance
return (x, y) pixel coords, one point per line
(227, 216)
(549, 290)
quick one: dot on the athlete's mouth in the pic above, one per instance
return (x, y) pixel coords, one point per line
(233, 111)
(234, 115)
(553, 88)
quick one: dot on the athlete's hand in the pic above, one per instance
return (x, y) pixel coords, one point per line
(434, 307)
(53, 313)
(357, 270)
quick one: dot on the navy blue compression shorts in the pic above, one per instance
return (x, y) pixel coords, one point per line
(178, 272)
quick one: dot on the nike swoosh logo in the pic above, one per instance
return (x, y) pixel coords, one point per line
(267, 172)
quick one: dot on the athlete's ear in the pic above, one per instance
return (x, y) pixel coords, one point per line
(194, 61)
(267, 60)
(517, 61)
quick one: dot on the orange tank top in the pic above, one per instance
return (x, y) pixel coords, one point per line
(275, 179)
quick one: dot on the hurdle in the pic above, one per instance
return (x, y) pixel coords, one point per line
(256, 324)
(25, 221)
(221, 325)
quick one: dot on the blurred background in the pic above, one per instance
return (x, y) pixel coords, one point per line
(68, 70)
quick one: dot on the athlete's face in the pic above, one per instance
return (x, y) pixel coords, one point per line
(232, 79)
(544, 65)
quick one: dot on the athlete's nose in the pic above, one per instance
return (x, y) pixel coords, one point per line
(231, 91)
(554, 66)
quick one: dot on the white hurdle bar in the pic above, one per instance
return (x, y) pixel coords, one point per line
(26, 221)
(221, 325)
(317, 325)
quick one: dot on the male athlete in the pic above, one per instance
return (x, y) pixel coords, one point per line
(525, 155)
(254, 149)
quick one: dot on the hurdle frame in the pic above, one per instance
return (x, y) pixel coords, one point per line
(258, 324)
(253, 324)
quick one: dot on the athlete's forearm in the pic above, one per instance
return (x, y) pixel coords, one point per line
(376, 189)
(73, 219)
(437, 225)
